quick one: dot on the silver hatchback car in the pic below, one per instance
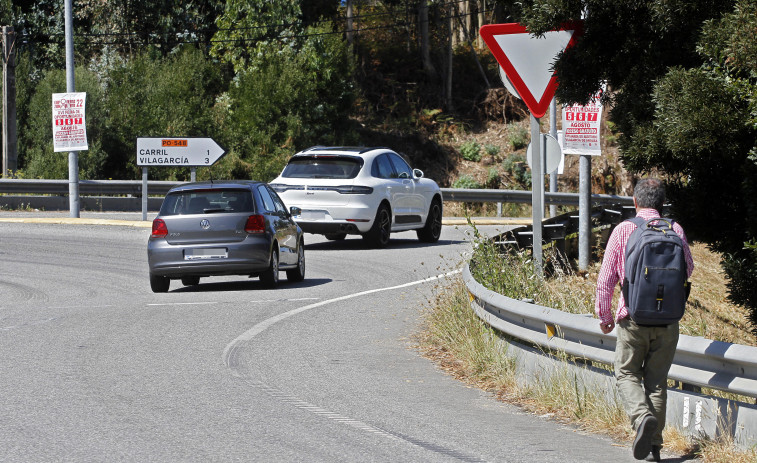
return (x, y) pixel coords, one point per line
(224, 228)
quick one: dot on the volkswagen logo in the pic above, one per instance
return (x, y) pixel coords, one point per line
(205, 224)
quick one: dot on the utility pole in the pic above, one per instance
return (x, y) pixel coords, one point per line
(73, 156)
(10, 148)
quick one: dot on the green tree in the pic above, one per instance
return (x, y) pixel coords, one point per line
(290, 98)
(155, 96)
(682, 76)
(35, 141)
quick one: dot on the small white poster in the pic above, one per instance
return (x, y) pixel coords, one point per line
(69, 127)
(580, 127)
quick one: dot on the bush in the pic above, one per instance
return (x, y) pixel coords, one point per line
(35, 141)
(471, 151)
(492, 150)
(516, 166)
(492, 178)
(290, 99)
(466, 181)
(518, 136)
(152, 96)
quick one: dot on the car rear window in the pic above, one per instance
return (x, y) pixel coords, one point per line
(207, 202)
(323, 167)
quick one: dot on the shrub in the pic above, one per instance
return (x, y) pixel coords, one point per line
(518, 136)
(466, 181)
(492, 178)
(491, 150)
(471, 151)
(516, 166)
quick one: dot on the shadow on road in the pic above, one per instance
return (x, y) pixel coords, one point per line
(246, 285)
(357, 244)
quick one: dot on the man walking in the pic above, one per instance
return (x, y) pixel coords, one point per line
(643, 353)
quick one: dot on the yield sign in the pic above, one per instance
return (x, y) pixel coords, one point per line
(528, 60)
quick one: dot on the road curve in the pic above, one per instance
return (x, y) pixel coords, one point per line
(95, 367)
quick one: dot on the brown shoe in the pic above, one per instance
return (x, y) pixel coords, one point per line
(642, 445)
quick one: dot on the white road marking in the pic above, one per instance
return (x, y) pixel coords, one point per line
(265, 324)
(248, 335)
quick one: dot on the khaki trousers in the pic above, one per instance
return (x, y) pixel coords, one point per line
(643, 355)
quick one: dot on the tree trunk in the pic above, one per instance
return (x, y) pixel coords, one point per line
(428, 66)
(350, 33)
(448, 77)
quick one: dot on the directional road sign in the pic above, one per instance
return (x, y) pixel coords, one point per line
(528, 60)
(178, 151)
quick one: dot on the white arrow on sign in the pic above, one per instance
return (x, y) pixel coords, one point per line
(178, 151)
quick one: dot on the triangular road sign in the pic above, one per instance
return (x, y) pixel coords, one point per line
(528, 60)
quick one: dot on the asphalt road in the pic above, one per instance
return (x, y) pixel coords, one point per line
(95, 367)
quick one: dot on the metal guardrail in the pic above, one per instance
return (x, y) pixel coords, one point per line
(519, 196)
(154, 187)
(86, 187)
(698, 361)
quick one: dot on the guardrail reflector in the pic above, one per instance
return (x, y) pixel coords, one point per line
(551, 330)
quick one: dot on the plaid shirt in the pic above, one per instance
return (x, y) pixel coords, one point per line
(614, 266)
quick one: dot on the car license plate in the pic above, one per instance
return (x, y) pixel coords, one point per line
(206, 253)
(313, 215)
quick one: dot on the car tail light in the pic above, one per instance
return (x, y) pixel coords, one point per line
(255, 224)
(354, 190)
(159, 229)
(281, 188)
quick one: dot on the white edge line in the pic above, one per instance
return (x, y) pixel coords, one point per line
(262, 326)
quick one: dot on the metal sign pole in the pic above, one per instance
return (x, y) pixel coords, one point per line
(553, 174)
(584, 212)
(73, 156)
(144, 193)
(537, 189)
(193, 174)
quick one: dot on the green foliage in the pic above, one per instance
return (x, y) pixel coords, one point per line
(35, 136)
(247, 27)
(516, 166)
(492, 178)
(152, 96)
(684, 80)
(466, 181)
(292, 98)
(518, 136)
(492, 150)
(471, 151)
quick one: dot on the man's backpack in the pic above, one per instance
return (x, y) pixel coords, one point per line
(655, 287)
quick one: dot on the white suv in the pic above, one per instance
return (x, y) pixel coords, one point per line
(367, 191)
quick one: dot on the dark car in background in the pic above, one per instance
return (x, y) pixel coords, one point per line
(217, 228)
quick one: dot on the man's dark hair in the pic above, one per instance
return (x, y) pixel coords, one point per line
(649, 193)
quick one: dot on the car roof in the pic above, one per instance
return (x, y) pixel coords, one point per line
(216, 184)
(342, 150)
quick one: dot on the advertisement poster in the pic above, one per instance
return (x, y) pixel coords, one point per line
(69, 129)
(580, 128)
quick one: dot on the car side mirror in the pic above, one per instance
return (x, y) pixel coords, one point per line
(417, 173)
(295, 210)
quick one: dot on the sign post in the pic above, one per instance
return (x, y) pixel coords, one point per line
(527, 62)
(175, 151)
(581, 126)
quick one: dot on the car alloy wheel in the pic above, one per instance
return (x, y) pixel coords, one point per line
(431, 232)
(298, 274)
(270, 277)
(378, 235)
